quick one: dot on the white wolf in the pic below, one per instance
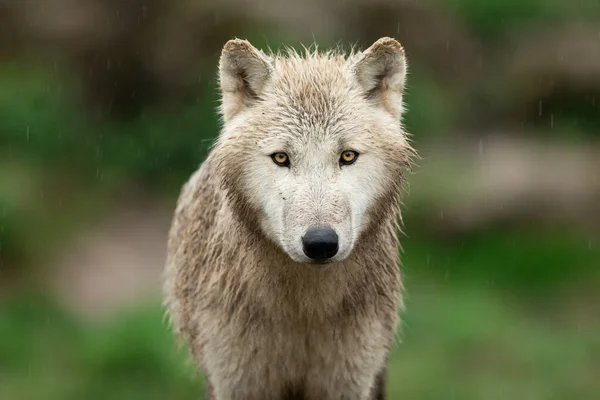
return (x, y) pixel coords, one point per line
(282, 270)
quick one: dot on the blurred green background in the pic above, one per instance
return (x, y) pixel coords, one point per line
(106, 107)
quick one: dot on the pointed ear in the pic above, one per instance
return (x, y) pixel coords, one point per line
(243, 73)
(381, 74)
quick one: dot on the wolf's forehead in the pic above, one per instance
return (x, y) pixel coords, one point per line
(315, 92)
(319, 82)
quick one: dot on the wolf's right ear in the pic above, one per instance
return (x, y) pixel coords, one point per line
(243, 73)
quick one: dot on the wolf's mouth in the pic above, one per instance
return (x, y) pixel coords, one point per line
(322, 261)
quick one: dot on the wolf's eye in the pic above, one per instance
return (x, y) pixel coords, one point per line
(348, 157)
(281, 159)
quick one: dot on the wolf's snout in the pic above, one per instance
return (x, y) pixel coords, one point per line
(320, 243)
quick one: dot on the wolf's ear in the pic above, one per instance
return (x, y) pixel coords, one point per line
(381, 74)
(243, 73)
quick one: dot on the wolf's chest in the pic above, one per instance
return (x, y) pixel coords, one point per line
(267, 361)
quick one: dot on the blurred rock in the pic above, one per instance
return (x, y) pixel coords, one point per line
(10, 41)
(115, 265)
(501, 179)
(551, 70)
(547, 57)
(435, 42)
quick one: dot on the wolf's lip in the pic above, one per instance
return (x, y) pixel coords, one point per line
(322, 261)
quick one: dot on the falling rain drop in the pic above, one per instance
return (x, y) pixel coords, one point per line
(551, 121)
(540, 108)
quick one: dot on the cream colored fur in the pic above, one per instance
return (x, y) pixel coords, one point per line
(261, 321)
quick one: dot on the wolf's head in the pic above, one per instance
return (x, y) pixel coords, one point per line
(312, 152)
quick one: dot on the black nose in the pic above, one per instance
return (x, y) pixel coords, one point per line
(320, 243)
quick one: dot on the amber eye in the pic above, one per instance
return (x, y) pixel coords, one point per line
(348, 157)
(281, 159)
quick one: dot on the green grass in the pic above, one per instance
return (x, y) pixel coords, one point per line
(524, 260)
(468, 343)
(46, 354)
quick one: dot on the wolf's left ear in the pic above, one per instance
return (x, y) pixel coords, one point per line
(381, 74)
(244, 72)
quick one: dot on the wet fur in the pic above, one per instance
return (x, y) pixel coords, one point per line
(260, 325)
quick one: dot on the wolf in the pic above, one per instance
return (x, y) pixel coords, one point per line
(282, 271)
